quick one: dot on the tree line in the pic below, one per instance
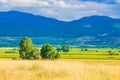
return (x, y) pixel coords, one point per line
(47, 51)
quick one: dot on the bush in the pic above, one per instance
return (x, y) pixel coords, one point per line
(35, 54)
(86, 49)
(112, 53)
(47, 51)
(65, 48)
(57, 55)
(58, 48)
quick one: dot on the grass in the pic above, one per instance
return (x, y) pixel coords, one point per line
(73, 65)
(75, 53)
(9, 53)
(68, 69)
(109, 57)
(92, 53)
(8, 50)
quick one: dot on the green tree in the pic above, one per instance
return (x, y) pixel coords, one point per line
(47, 51)
(35, 54)
(65, 48)
(27, 51)
(58, 48)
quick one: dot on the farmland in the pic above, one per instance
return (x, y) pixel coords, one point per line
(74, 53)
(77, 64)
(9, 53)
(91, 53)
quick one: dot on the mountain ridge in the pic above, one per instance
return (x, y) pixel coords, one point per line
(19, 24)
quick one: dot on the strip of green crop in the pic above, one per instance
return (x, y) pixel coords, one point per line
(9, 55)
(90, 57)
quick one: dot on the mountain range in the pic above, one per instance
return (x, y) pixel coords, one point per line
(91, 30)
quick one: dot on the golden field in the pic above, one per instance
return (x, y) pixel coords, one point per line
(63, 69)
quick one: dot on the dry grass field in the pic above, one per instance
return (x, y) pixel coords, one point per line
(64, 69)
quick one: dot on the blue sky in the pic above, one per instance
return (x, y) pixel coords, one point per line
(65, 10)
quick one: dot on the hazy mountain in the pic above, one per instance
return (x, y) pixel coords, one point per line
(92, 29)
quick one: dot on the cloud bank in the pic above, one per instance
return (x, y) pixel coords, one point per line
(65, 10)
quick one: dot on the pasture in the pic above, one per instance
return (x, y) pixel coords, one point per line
(74, 53)
(62, 69)
(91, 53)
(9, 53)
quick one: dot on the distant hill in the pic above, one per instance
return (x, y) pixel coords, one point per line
(93, 29)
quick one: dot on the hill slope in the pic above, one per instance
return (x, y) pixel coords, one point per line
(89, 30)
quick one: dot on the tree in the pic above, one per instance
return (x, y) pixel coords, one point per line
(47, 51)
(27, 51)
(65, 48)
(35, 54)
(58, 48)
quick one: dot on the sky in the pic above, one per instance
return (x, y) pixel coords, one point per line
(65, 10)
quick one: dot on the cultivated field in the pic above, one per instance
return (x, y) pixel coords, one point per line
(63, 69)
(74, 53)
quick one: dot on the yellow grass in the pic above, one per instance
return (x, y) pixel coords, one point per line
(69, 69)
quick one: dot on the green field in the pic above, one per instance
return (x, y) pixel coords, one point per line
(74, 53)
(9, 53)
(91, 53)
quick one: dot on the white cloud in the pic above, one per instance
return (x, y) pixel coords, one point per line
(28, 3)
(48, 12)
(118, 1)
(3, 1)
(60, 3)
(64, 4)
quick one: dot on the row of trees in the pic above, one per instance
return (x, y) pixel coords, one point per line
(27, 50)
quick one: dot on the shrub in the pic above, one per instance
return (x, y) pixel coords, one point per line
(65, 48)
(35, 54)
(86, 49)
(47, 51)
(112, 53)
(58, 48)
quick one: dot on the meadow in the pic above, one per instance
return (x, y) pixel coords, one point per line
(92, 53)
(74, 53)
(9, 53)
(62, 69)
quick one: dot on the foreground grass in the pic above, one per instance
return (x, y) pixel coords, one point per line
(69, 69)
